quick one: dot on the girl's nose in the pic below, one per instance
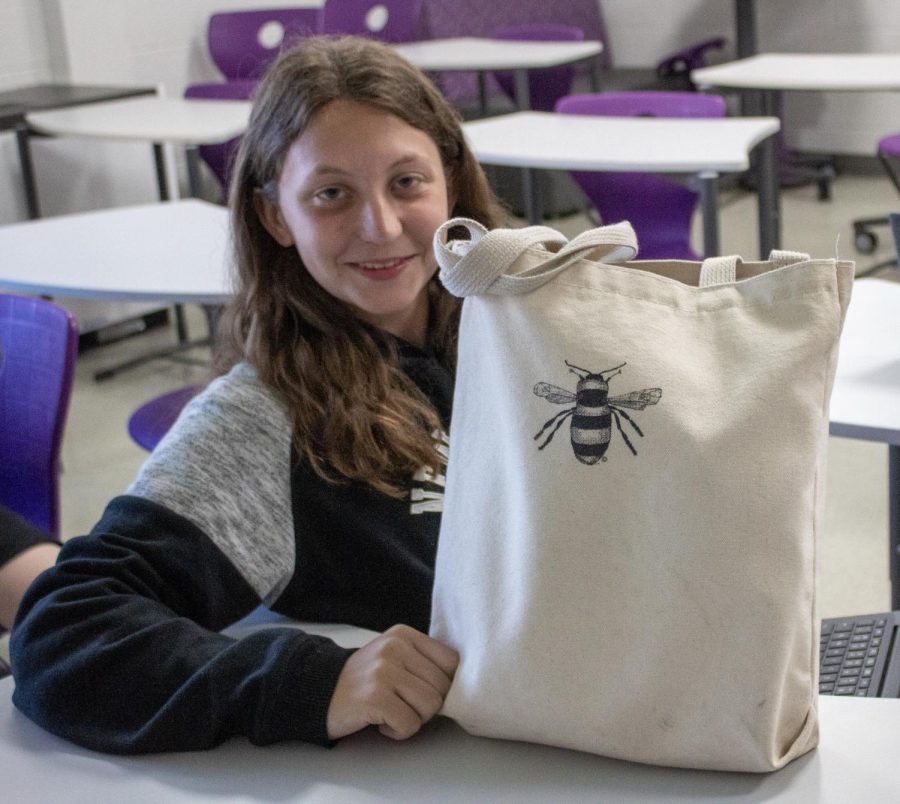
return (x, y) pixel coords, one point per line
(380, 220)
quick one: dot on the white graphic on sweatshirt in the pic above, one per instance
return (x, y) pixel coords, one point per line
(427, 492)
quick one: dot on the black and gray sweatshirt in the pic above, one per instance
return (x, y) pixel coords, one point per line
(118, 647)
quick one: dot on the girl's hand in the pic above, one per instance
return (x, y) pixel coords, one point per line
(397, 682)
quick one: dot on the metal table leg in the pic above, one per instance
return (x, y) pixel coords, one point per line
(28, 181)
(159, 160)
(766, 168)
(709, 205)
(745, 27)
(534, 209)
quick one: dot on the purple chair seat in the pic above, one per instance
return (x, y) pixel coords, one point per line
(152, 420)
(659, 209)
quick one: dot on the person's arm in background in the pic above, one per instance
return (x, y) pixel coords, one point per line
(17, 574)
(25, 552)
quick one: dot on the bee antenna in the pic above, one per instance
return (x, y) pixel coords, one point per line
(575, 369)
(617, 369)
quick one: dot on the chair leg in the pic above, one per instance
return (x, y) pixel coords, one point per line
(864, 239)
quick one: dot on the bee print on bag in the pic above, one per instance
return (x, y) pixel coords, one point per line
(594, 411)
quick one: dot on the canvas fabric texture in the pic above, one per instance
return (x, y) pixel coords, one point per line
(627, 556)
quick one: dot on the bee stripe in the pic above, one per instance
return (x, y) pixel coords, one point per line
(581, 422)
(592, 397)
(592, 436)
(590, 450)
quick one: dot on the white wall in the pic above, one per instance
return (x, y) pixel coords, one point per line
(162, 42)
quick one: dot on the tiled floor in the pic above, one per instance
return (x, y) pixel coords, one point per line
(99, 459)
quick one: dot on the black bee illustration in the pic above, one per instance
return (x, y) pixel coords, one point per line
(593, 412)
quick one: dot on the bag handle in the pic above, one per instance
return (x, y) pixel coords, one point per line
(479, 265)
(723, 270)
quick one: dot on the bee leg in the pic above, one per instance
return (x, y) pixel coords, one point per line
(562, 417)
(615, 413)
(551, 420)
(631, 421)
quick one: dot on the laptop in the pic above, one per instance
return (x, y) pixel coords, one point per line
(860, 656)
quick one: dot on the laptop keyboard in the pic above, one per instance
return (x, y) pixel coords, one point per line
(852, 655)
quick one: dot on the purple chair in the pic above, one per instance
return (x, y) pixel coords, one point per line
(865, 240)
(387, 20)
(659, 209)
(545, 87)
(219, 156)
(242, 44)
(152, 420)
(38, 349)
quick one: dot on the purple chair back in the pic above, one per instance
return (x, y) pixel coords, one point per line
(220, 155)
(659, 209)
(387, 20)
(152, 420)
(38, 349)
(545, 87)
(243, 43)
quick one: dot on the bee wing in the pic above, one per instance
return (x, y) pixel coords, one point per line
(637, 400)
(553, 393)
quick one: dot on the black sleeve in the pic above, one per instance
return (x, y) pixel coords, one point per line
(116, 647)
(17, 535)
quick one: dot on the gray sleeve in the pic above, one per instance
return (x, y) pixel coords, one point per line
(225, 466)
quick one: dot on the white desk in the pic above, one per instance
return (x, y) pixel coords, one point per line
(472, 54)
(816, 72)
(174, 252)
(855, 762)
(705, 147)
(865, 403)
(186, 122)
(772, 73)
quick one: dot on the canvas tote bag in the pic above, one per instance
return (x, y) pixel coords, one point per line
(626, 562)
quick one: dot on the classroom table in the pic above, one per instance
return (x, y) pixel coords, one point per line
(855, 761)
(772, 73)
(157, 120)
(16, 103)
(865, 403)
(174, 252)
(701, 146)
(480, 55)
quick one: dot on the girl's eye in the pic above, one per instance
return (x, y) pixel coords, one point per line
(328, 195)
(409, 182)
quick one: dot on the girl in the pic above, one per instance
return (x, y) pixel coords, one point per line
(308, 476)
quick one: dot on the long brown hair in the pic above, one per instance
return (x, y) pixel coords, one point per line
(356, 415)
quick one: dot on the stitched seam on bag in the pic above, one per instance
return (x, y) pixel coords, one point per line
(729, 305)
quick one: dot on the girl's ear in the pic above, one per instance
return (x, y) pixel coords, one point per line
(272, 220)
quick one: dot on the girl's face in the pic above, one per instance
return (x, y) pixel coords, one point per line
(360, 196)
